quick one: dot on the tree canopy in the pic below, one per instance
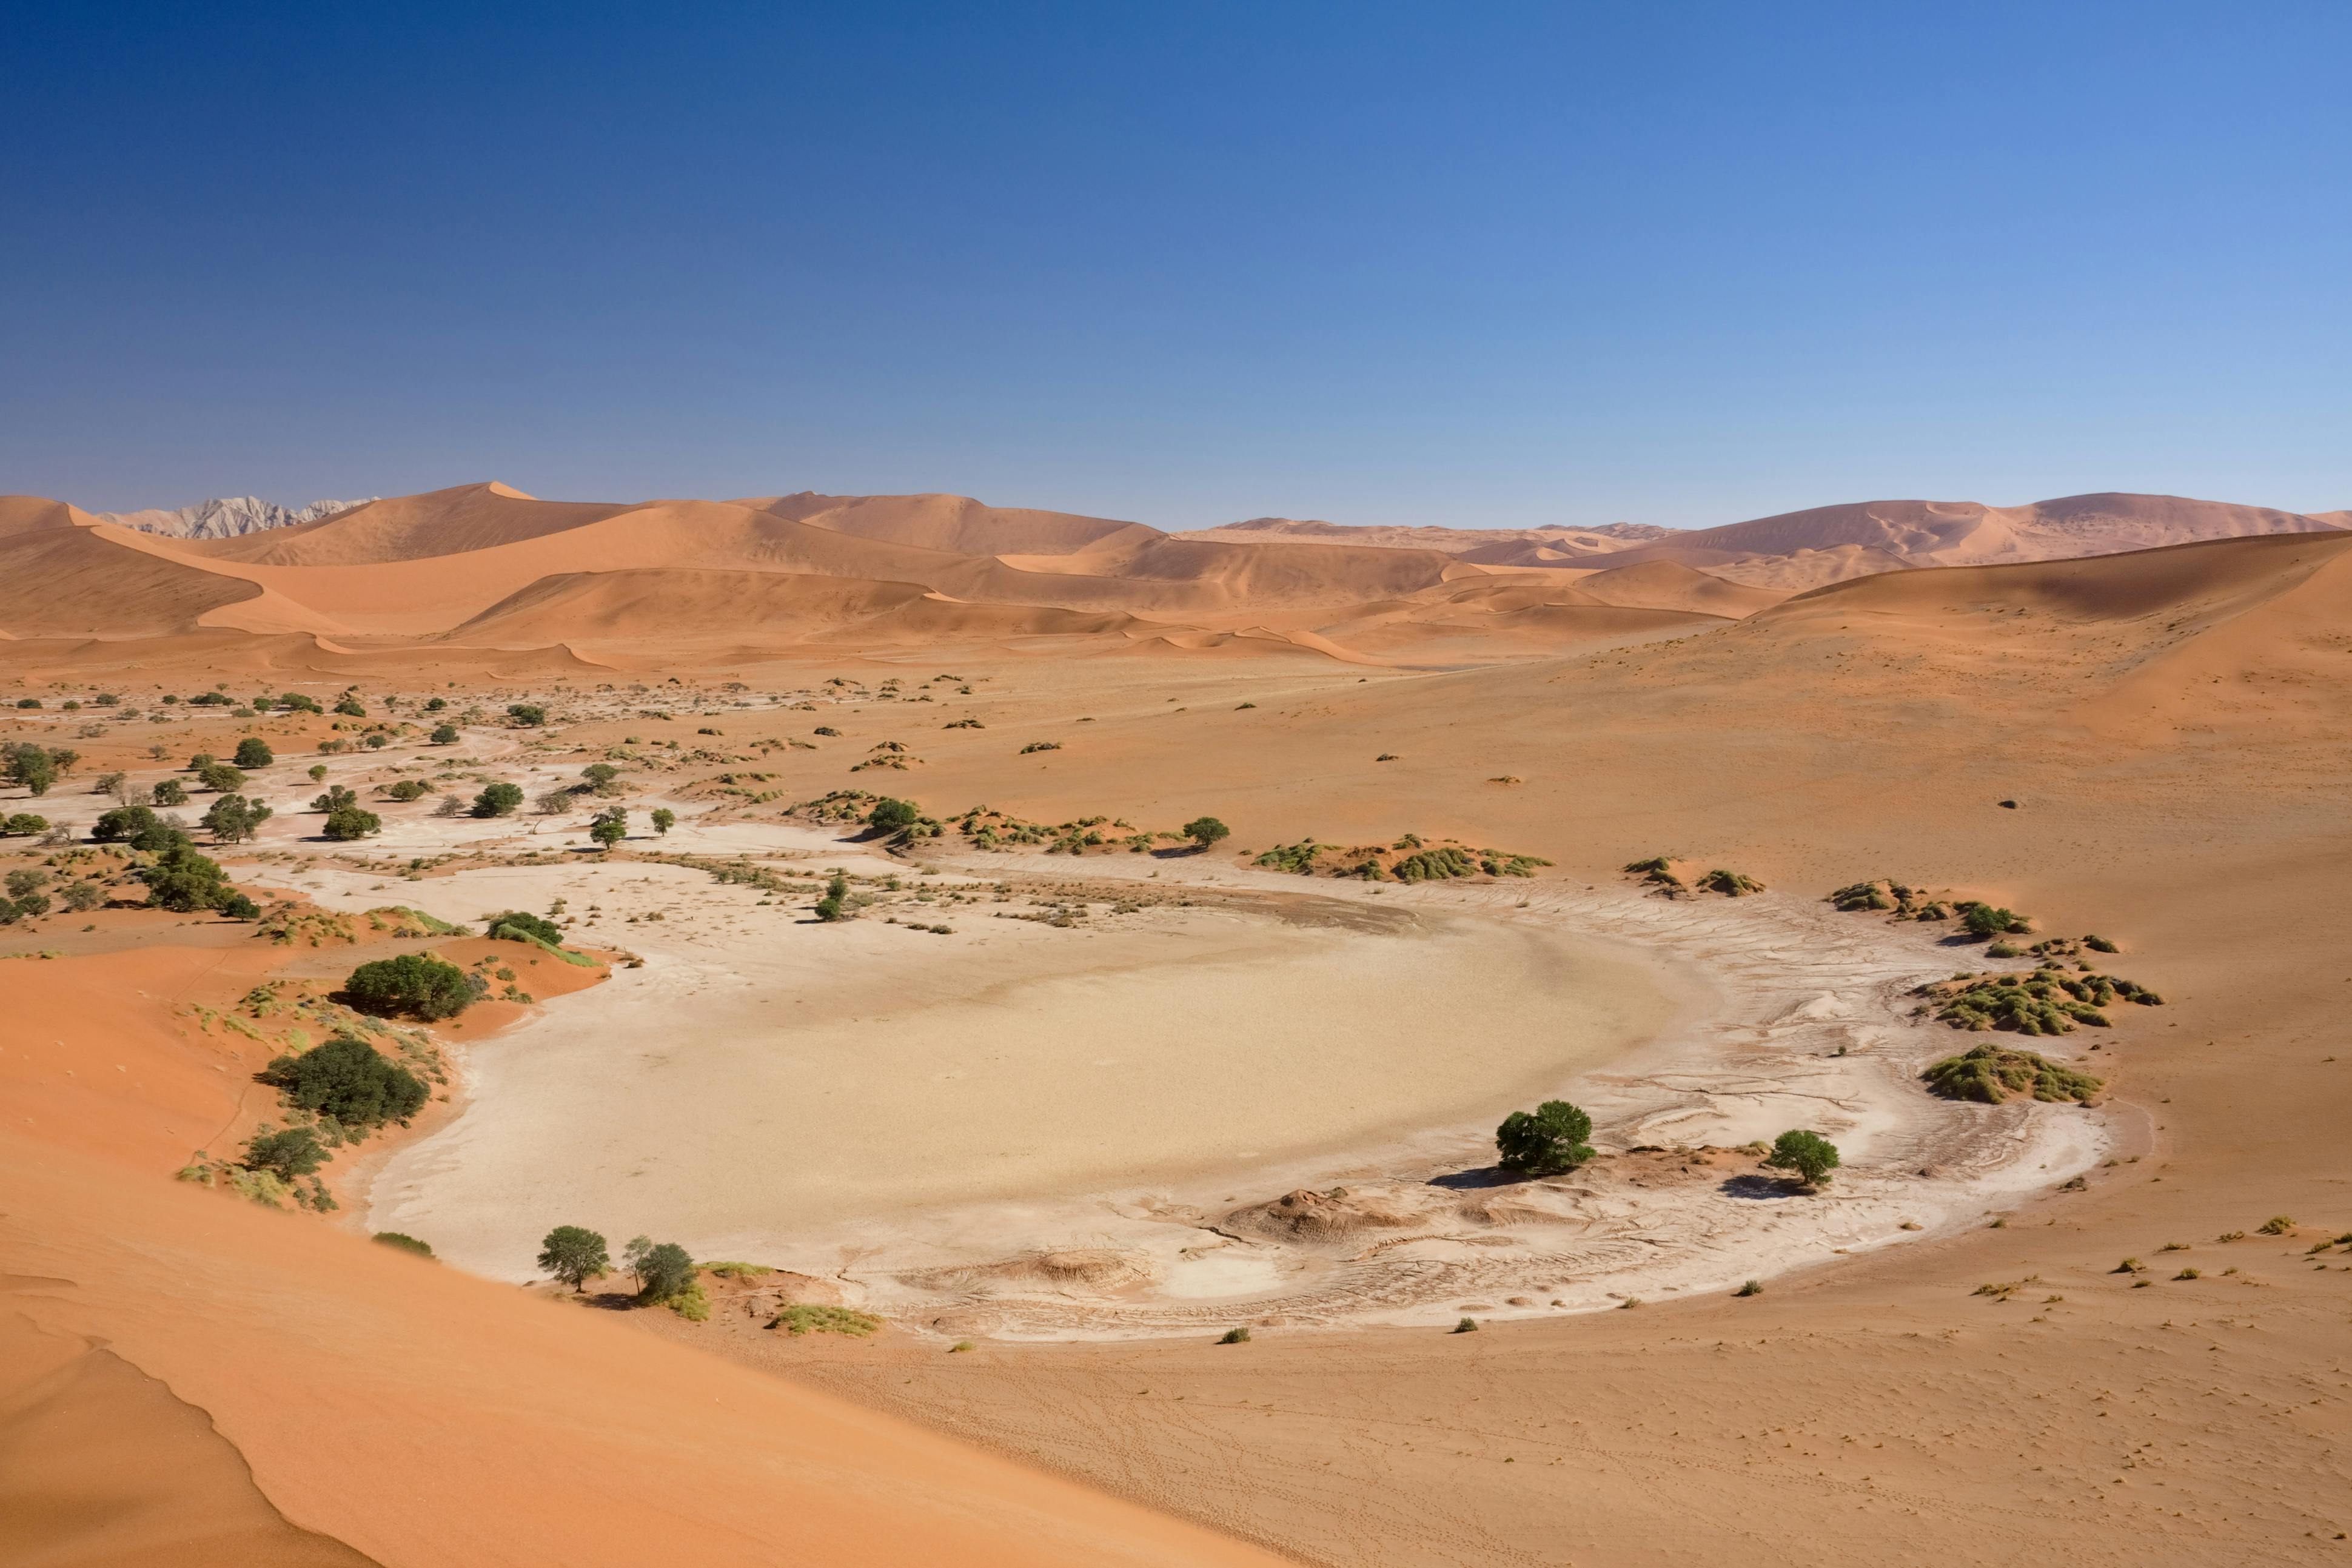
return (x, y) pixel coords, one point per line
(1812, 1156)
(573, 1254)
(415, 983)
(1204, 831)
(1546, 1141)
(350, 1080)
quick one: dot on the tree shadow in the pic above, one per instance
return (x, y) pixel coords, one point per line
(1760, 1187)
(1483, 1177)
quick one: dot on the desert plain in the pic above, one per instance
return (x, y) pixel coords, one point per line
(1071, 1094)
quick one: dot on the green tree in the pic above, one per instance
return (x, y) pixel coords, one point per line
(444, 735)
(415, 983)
(29, 766)
(664, 819)
(24, 823)
(890, 816)
(600, 777)
(663, 1269)
(220, 777)
(84, 896)
(1812, 1156)
(527, 715)
(610, 827)
(501, 799)
(346, 823)
(253, 752)
(351, 1081)
(169, 791)
(184, 881)
(834, 905)
(573, 1255)
(233, 819)
(318, 772)
(290, 1154)
(350, 707)
(297, 702)
(334, 799)
(1204, 831)
(1546, 1141)
(517, 925)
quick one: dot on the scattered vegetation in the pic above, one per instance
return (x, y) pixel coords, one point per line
(1992, 1073)
(2050, 1001)
(807, 1318)
(404, 1242)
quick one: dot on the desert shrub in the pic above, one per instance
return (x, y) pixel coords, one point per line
(238, 907)
(1988, 920)
(1808, 1155)
(1731, 884)
(1041, 746)
(612, 825)
(220, 777)
(501, 799)
(1545, 1141)
(30, 767)
(1467, 1326)
(184, 881)
(2099, 944)
(29, 702)
(554, 802)
(664, 819)
(443, 736)
(1205, 831)
(2050, 1001)
(599, 776)
(450, 806)
(527, 715)
(890, 816)
(253, 752)
(1235, 1337)
(209, 699)
(1437, 864)
(1752, 1288)
(834, 905)
(23, 823)
(124, 824)
(335, 798)
(521, 925)
(807, 1318)
(573, 1255)
(1992, 1073)
(351, 1081)
(350, 707)
(297, 702)
(662, 1270)
(346, 823)
(84, 896)
(2277, 1224)
(405, 1243)
(233, 819)
(289, 1155)
(405, 790)
(1658, 870)
(1296, 858)
(415, 983)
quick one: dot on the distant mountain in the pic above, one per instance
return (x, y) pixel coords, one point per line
(1559, 545)
(226, 519)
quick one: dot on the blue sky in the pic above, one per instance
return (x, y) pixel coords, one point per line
(1467, 264)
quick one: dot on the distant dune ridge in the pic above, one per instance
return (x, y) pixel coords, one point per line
(488, 567)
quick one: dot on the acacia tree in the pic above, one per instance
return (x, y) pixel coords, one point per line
(1546, 1141)
(253, 752)
(573, 1254)
(664, 819)
(663, 1269)
(612, 825)
(34, 767)
(413, 982)
(233, 819)
(1812, 1156)
(1204, 831)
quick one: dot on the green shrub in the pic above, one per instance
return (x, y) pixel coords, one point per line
(663, 1269)
(1812, 1156)
(528, 715)
(405, 1243)
(184, 881)
(806, 1318)
(611, 827)
(350, 1081)
(219, 778)
(501, 799)
(443, 736)
(233, 819)
(573, 1255)
(2099, 944)
(346, 823)
(1992, 1073)
(1546, 1141)
(405, 790)
(350, 707)
(890, 816)
(519, 925)
(253, 752)
(287, 1155)
(23, 823)
(664, 819)
(1438, 865)
(1467, 1326)
(1235, 1337)
(1296, 858)
(415, 983)
(1731, 884)
(1988, 920)
(1658, 871)
(31, 767)
(834, 905)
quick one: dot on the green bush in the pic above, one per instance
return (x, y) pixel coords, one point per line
(664, 819)
(406, 790)
(351, 1081)
(184, 881)
(573, 1255)
(1992, 1073)
(443, 736)
(350, 707)
(1812, 1156)
(663, 1269)
(169, 791)
(501, 799)
(346, 823)
(31, 767)
(519, 925)
(287, 1155)
(1441, 864)
(233, 819)
(806, 1318)
(890, 816)
(1988, 920)
(219, 778)
(394, 1238)
(529, 715)
(1731, 884)
(415, 984)
(23, 823)
(611, 827)
(834, 905)
(1546, 1141)
(253, 752)
(1236, 1337)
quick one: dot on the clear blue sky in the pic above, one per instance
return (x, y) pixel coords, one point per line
(1184, 263)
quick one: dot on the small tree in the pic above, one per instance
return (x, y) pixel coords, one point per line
(890, 816)
(1985, 920)
(1812, 1156)
(1204, 831)
(610, 827)
(351, 1081)
(1546, 1141)
(444, 735)
(413, 982)
(169, 791)
(516, 925)
(318, 773)
(346, 823)
(600, 777)
(25, 822)
(554, 802)
(184, 881)
(290, 1154)
(84, 896)
(220, 777)
(501, 799)
(664, 819)
(527, 715)
(662, 1270)
(233, 819)
(573, 1255)
(834, 905)
(253, 752)
(33, 767)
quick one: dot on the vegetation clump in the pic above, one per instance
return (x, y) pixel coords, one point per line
(519, 926)
(348, 1082)
(807, 1318)
(403, 1242)
(2049, 1001)
(1545, 1141)
(1905, 902)
(501, 799)
(1807, 1153)
(1658, 871)
(1730, 884)
(1991, 1074)
(415, 983)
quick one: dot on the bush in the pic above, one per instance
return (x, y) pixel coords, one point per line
(445, 735)
(350, 707)
(664, 819)
(23, 823)
(413, 982)
(184, 881)
(529, 715)
(1812, 1156)
(1546, 1141)
(890, 816)
(219, 778)
(253, 752)
(34, 768)
(806, 1318)
(405, 790)
(297, 702)
(170, 791)
(663, 1269)
(1992, 1073)
(85, 896)
(1731, 884)
(1236, 1337)
(501, 799)
(1205, 831)
(394, 1238)
(1988, 920)
(124, 824)
(519, 925)
(351, 1081)
(293, 1153)
(346, 823)
(573, 1255)
(610, 827)
(834, 905)
(236, 907)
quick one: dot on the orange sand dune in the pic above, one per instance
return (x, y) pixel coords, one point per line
(955, 525)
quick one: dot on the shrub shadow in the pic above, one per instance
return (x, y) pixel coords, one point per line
(1759, 1187)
